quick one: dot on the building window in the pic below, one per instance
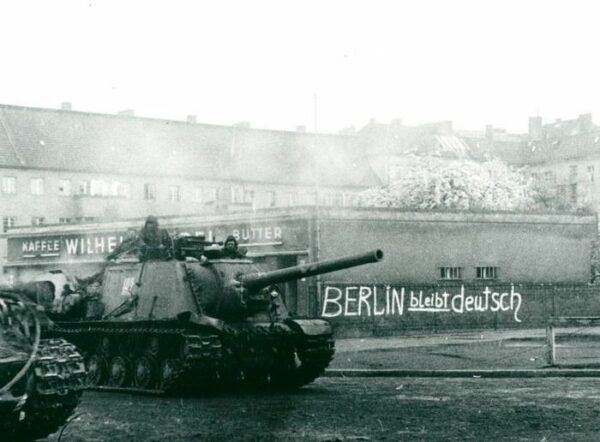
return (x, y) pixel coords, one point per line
(487, 272)
(37, 220)
(450, 272)
(573, 193)
(249, 196)
(84, 219)
(535, 176)
(271, 198)
(224, 195)
(8, 222)
(548, 176)
(9, 185)
(573, 173)
(197, 195)
(149, 192)
(64, 187)
(209, 195)
(351, 200)
(561, 192)
(37, 186)
(174, 194)
(65, 220)
(124, 190)
(590, 170)
(308, 198)
(293, 198)
(99, 188)
(337, 199)
(237, 195)
(84, 188)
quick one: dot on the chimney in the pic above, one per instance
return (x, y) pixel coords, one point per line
(585, 123)
(191, 119)
(66, 105)
(301, 129)
(489, 133)
(535, 128)
(126, 113)
(243, 124)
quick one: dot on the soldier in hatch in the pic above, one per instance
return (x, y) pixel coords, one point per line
(231, 250)
(156, 242)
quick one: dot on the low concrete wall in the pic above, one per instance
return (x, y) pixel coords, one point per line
(401, 309)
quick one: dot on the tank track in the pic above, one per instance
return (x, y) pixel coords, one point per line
(188, 361)
(48, 394)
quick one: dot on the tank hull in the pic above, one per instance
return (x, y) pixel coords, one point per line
(171, 357)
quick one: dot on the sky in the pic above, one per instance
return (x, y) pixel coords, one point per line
(322, 64)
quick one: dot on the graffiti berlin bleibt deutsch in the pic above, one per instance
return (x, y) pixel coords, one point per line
(388, 300)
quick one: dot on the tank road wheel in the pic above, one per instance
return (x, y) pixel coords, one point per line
(153, 347)
(169, 371)
(119, 372)
(96, 370)
(144, 372)
(104, 346)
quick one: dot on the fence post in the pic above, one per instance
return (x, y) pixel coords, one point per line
(550, 343)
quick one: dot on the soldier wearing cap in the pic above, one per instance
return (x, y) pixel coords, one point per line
(156, 242)
(230, 248)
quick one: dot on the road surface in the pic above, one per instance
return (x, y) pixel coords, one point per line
(334, 409)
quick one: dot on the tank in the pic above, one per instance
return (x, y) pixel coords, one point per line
(194, 321)
(41, 380)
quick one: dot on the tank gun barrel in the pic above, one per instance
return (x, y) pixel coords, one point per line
(255, 281)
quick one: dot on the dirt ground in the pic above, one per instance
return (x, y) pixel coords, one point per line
(334, 409)
(342, 409)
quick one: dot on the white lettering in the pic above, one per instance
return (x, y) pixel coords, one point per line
(495, 302)
(327, 300)
(460, 297)
(99, 245)
(398, 301)
(112, 243)
(515, 298)
(348, 301)
(414, 301)
(369, 301)
(71, 245)
(364, 293)
(383, 310)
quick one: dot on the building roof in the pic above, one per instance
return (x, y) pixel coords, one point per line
(563, 148)
(437, 139)
(118, 144)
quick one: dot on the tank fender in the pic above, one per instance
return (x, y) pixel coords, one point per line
(203, 320)
(310, 327)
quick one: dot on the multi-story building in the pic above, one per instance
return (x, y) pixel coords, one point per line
(562, 157)
(62, 166)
